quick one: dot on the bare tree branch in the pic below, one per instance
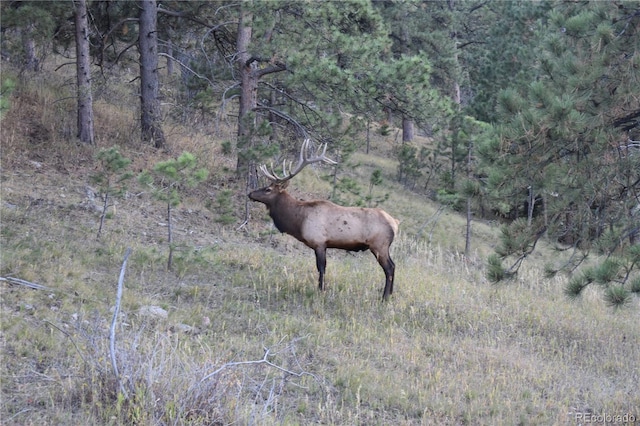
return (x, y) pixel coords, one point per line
(284, 116)
(264, 360)
(187, 16)
(18, 281)
(183, 65)
(112, 333)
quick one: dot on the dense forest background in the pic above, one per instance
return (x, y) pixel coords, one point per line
(531, 109)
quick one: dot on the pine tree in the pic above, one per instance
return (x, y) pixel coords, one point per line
(111, 178)
(302, 88)
(504, 52)
(167, 179)
(28, 28)
(446, 35)
(569, 137)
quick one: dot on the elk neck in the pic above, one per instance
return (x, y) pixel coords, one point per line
(287, 213)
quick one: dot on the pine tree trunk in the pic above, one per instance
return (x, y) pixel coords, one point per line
(248, 100)
(169, 58)
(148, 46)
(389, 116)
(273, 117)
(467, 240)
(407, 129)
(467, 243)
(29, 46)
(169, 237)
(368, 135)
(531, 201)
(105, 206)
(83, 74)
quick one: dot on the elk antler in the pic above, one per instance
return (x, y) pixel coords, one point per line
(303, 161)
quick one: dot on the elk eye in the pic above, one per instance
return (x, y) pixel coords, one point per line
(267, 190)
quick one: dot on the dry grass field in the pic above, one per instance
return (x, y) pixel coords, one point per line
(238, 333)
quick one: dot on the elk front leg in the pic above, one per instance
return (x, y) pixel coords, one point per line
(321, 263)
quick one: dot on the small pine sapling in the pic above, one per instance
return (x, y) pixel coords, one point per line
(375, 180)
(6, 88)
(224, 207)
(167, 179)
(111, 178)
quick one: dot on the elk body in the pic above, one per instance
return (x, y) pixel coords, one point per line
(321, 224)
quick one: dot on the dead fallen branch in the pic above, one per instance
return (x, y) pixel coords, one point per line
(18, 281)
(112, 334)
(265, 361)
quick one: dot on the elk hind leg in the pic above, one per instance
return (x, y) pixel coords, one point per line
(321, 263)
(389, 268)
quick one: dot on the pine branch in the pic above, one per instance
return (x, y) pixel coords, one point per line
(516, 265)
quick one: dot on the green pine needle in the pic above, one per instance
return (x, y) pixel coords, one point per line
(575, 286)
(549, 271)
(495, 271)
(617, 296)
(606, 272)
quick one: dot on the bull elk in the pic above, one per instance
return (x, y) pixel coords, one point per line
(321, 224)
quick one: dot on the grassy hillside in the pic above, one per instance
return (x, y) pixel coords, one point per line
(238, 333)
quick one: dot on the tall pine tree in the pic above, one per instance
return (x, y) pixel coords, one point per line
(568, 145)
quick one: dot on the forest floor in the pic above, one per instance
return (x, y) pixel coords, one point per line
(238, 333)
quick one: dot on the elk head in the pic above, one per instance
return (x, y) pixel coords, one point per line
(280, 183)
